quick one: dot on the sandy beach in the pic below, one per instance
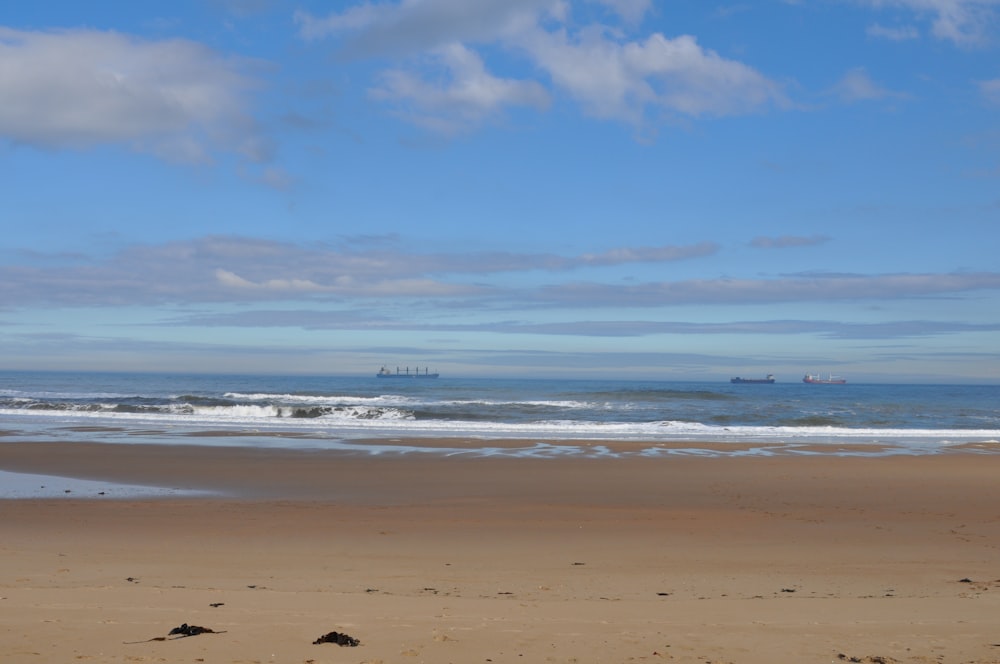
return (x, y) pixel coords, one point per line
(430, 558)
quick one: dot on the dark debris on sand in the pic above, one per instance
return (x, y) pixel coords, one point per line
(191, 630)
(339, 638)
(871, 659)
(185, 630)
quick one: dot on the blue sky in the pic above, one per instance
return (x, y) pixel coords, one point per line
(624, 188)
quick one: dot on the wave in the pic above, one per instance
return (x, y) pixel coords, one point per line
(273, 411)
(47, 394)
(209, 410)
(321, 399)
(402, 400)
(812, 421)
(341, 423)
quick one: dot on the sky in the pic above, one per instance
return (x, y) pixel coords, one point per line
(676, 190)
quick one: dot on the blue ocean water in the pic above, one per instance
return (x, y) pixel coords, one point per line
(359, 412)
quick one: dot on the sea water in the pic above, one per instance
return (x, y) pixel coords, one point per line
(367, 413)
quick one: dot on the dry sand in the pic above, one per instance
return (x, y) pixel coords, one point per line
(427, 558)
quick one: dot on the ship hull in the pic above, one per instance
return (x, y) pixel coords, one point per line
(816, 380)
(385, 373)
(752, 381)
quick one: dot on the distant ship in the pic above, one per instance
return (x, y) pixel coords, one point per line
(754, 381)
(819, 380)
(385, 373)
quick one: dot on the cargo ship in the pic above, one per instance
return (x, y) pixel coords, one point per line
(815, 379)
(385, 373)
(752, 381)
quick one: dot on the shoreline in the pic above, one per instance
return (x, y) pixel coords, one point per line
(435, 558)
(493, 446)
(322, 474)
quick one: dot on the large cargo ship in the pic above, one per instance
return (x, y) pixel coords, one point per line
(385, 373)
(815, 379)
(752, 381)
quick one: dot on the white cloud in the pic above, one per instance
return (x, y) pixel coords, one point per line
(856, 85)
(625, 80)
(412, 26)
(649, 254)
(230, 268)
(233, 280)
(80, 88)
(236, 269)
(991, 91)
(468, 96)
(358, 17)
(898, 33)
(611, 76)
(345, 285)
(275, 178)
(626, 328)
(790, 288)
(964, 22)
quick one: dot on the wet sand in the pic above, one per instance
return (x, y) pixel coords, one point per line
(430, 558)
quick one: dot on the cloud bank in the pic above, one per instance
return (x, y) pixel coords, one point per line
(236, 269)
(312, 319)
(447, 66)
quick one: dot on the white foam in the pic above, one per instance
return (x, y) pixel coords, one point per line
(351, 422)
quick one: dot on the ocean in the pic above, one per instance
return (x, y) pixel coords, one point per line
(369, 414)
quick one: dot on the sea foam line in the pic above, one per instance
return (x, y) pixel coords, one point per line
(361, 422)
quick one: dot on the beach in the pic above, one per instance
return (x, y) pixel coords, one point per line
(451, 558)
